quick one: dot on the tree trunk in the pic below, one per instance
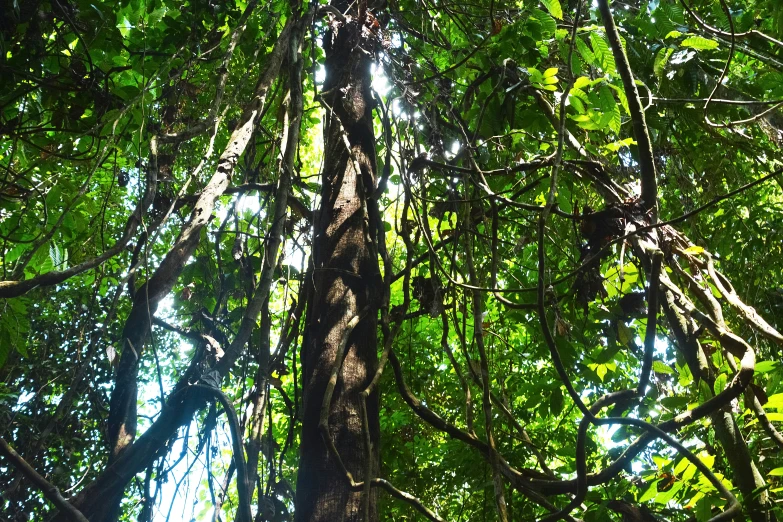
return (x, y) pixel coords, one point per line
(346, 287)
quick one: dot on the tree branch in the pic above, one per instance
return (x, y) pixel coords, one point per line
(47, 488)
(646, 159)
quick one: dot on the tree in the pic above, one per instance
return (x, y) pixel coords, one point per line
(391, 260)
(339, 356)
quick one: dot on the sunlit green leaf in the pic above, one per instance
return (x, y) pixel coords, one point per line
(699, 43)
(553, 6)
(660, 367)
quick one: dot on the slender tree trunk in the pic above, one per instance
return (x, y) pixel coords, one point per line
(100, 501)
(346, 287)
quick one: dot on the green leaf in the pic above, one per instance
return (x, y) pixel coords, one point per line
(548, 24)
(660, 367)
(720, 383)
(675, 402)
(564, 200)
(777, 472)
(684, 375)
(703, 511)
(556, 401)
(619, 144)
(591, 121)
(581, 82)
(681, 465)
(766, 366)
(611, 112)
(576, 65)
(576, 103)
(605, 123)
(705, 393)
(699, 43)
(650, 492)
(621, 96)
(720, 16)
(661, 59)
(5, 349)
(553, 6)
(584, 51)
(606, 99)
(579, 93)
(535, 75)
(664, 497)
(707, 460)
(775, 402)
(602, 53)
(624, 333)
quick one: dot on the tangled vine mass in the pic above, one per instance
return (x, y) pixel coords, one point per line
(515, 260)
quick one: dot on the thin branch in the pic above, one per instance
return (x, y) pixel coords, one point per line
(646, 159)
(715, 100)
(652, 319)
(49, 491)
(714, 30)
(244, 514)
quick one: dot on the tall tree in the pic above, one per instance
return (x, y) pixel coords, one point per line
(339, 353)
(549, 290)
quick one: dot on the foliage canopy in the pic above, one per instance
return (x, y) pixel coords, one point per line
(574, 232)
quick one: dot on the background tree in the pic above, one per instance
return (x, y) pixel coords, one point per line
(391, 260)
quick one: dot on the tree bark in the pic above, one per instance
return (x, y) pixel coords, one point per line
(346, 285)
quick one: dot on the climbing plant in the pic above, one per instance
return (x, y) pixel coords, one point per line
(391, 260)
